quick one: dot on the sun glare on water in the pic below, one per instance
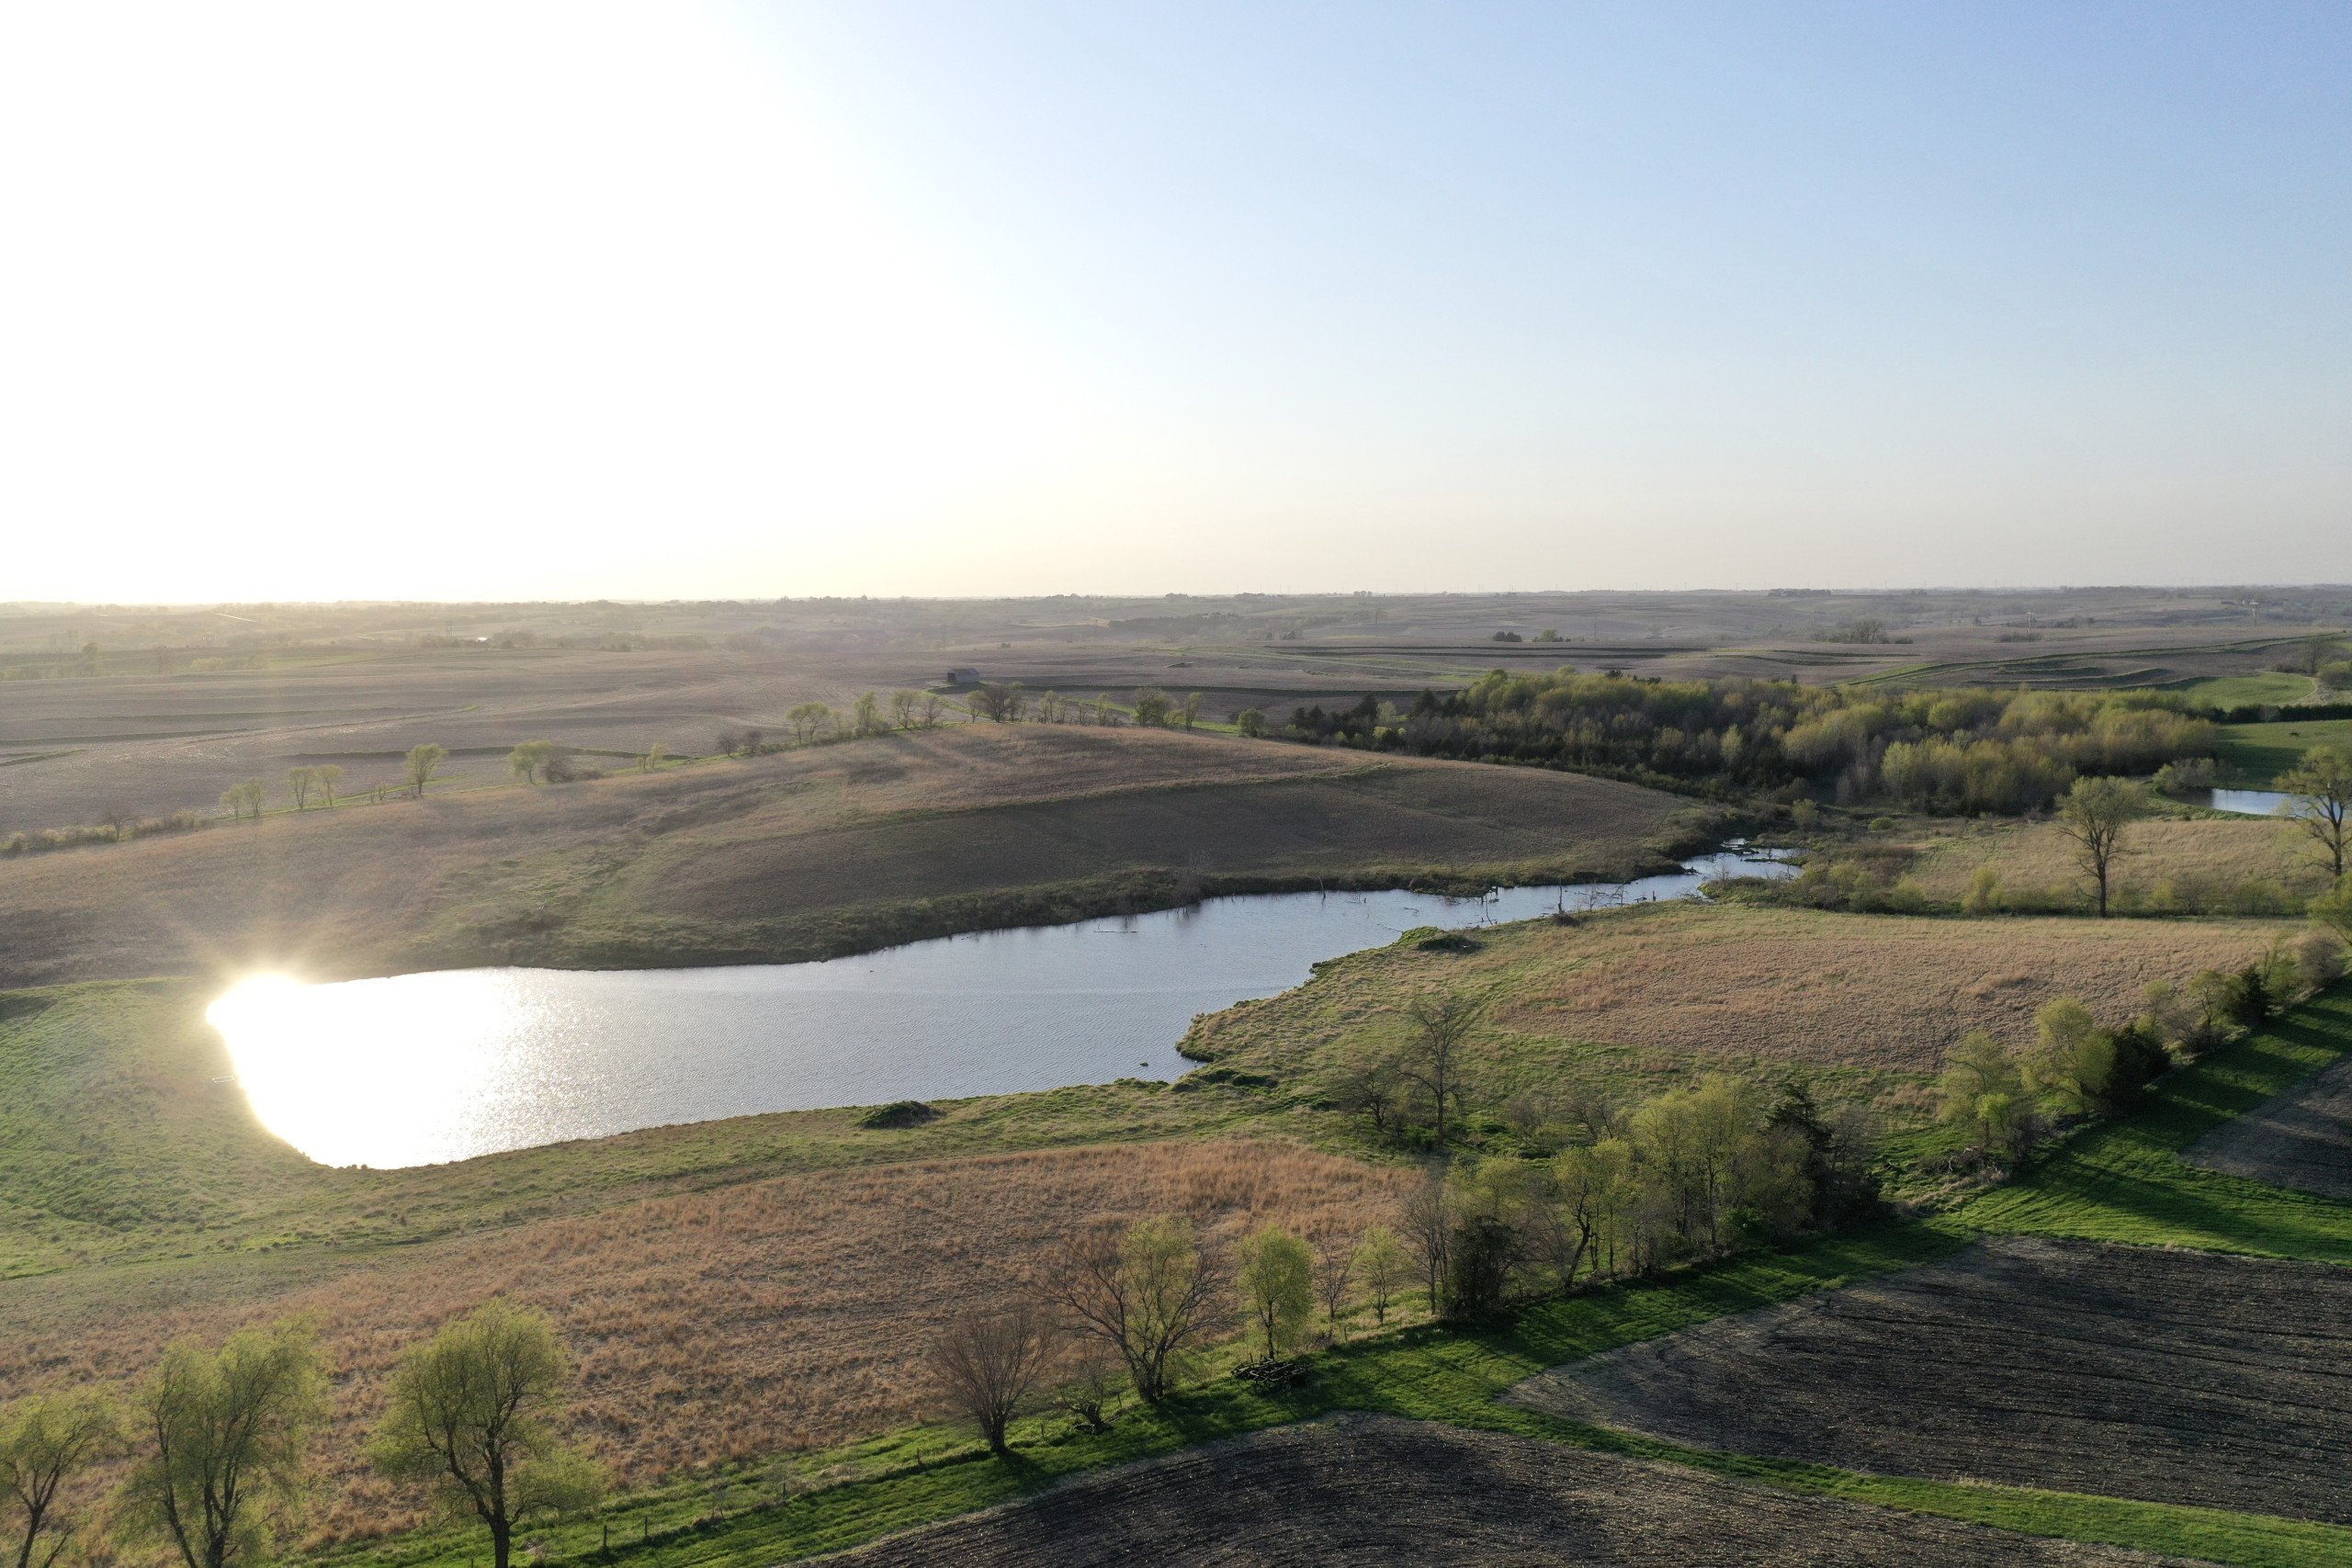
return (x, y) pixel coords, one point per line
(359, 1072)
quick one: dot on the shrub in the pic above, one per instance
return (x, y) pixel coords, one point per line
(897, 1114)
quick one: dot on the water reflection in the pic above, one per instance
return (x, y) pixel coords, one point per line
(419, 1068)
(2253, 802)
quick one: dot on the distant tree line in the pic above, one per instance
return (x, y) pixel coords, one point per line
(1958, 751)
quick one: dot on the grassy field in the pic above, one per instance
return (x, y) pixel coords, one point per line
(2263, 686)
(1863, 1005)
(2260, 752)
(2205, 865)
(803, 854)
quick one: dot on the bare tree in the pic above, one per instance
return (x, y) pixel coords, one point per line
(1433, 1060)
(299, 784)
(902, 709)
(1427, 1222)
(421, 764)
(2094, 814)
(1382, 1262)
(1147, 1293)
(1090, 1383)
(2320, 799)
(988, 1363)
(1335, 1276)
(328, 777)
(932, 709)
(1369, 1084)
(45, 1442)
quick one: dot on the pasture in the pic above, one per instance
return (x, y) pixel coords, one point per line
(2260, 752)
(2204, 865)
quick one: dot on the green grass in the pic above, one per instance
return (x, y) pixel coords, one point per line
(2265, 686)
(2125, 1180)
(2263, 751)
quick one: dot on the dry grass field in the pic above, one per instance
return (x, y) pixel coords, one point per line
(2201, 863)
(2302, 1139)
(1665, 988)
(708, 1326)
(800, 854)
(2145, 1372)
(1376, 1490)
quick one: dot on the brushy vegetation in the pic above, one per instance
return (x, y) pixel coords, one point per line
(1953, 751)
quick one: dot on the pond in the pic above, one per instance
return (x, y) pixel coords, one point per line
(420, 1069)
(2251, 802)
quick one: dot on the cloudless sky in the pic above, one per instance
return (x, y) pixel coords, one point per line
(497, 301)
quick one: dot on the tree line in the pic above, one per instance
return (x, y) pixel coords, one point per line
(1946, 750)
(218, 1438)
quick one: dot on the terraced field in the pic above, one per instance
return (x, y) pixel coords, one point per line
(2130, 1372)
(1369, 1490)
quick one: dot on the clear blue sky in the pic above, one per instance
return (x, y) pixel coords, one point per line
(1029, 297)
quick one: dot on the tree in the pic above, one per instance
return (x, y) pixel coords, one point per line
(902, 707)
(1427, 1222)
(1382, 1262)
(1335, 1276)
(931, 708)
(328, 776)
(809, 721)
(1150, 705)
(1145, 1293)
(1189, 714)
(245, 799)
(1433, 1060)
(531, 759)
(299, 784)
(1369, 1084)
(421, 764)
(867, 717)
(2319, 791)
(655, 755)
(475, 1417)
(223, 1432)
(989, 1361)
(2073, 1060)
(2093, 816)
(1107, 713)
(46, 1441)
(1277, 1287)
(1983, 1091)
(1251, 722)
(2333, 909)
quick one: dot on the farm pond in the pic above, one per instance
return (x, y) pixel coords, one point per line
(415, 1069)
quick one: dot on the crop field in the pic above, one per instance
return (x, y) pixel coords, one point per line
(1663, 989)
(708, 1327)
(802, 854)
(1371, 1489)
(2302, 1139)
(2262, 751)
(2132, 1371)
(2206, 865)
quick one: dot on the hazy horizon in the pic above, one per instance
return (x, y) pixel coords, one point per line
(493, 304)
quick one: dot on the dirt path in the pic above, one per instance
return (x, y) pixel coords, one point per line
(1375, 1490)
(2174, 1377)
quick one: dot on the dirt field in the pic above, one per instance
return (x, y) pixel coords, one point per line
(801, 854)
(1375, 1490)
(1660, 989)
(2302, 1139)
(2140, 1372)
(2202, 865)
(770, 1316)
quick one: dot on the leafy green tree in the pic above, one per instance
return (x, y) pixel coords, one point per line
(47, 1441)
(655, 755)
(1981, 1090)
(224, 1434)
(2333, 909)
(301, 784)
(2093, 816)
(1189, 714)
(1151, 706)
(530, 760)
(2320, 800)
(2073, 1060)
(245, 799)
(809, 721)
(866, 718)
(421, 764)
(476, 1418)
(1277, 1287)
(1382, 1264)
(328, 776)
(1251, 722)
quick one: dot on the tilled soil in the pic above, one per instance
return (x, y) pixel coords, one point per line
(2302, 1139)
(2176, 1377)
(1377, 1490)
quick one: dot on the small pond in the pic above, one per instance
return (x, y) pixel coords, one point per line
(2251, 802)
(420, 1069)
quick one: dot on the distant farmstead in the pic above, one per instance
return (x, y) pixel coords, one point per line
(963, 676)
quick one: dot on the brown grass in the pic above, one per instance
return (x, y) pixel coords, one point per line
(1727, 984)
(2204, 861)
(707, 1327)
(795, 855)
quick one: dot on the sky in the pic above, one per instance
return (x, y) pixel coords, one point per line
(497, 301)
